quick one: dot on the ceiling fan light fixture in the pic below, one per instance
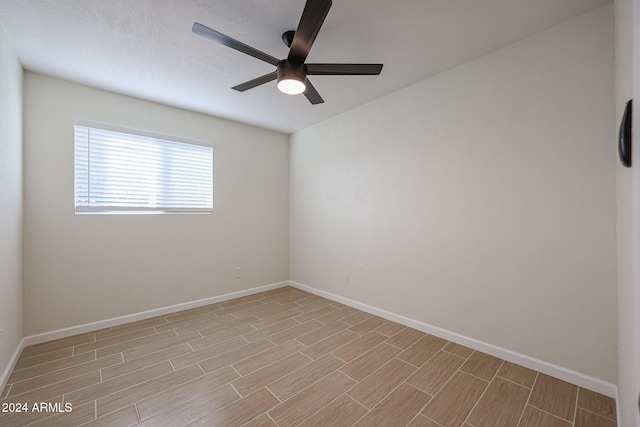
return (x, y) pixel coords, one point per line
(291, 77)
(291, 85)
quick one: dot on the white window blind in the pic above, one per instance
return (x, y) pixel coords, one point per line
(123, 172)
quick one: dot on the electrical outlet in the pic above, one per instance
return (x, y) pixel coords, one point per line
(345, 280)
(238, 272)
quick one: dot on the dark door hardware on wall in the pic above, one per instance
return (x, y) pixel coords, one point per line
(624, 136)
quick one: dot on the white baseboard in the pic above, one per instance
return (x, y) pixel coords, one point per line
(564, 374)
(12, 363)
(115, 321)
(617, 397)
(550, 369)
(94, 326)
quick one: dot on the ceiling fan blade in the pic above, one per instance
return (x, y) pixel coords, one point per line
(207, 32)
(256, 82)
(312, 94)
(343, 69)
(313, 15)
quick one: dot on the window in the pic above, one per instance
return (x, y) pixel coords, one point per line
(118, 172)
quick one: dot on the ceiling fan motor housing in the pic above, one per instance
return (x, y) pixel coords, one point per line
(291, 69)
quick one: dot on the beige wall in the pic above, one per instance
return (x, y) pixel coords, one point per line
(481, 201)
(628, 353)
(10, 202)
(84, 268)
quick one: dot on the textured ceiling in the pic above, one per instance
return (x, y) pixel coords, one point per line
(145, 48)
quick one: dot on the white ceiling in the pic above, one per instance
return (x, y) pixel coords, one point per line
(145, 48)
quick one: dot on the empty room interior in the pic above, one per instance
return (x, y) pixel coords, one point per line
(305, 212)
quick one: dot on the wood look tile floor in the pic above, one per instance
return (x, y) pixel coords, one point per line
(283, 358)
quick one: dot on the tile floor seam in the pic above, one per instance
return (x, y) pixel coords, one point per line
(272, 342)
(342, 360)
(453, 354)
(269, 416)
(575, 407)
(512, 382)
(35, 346)
(553, 415)
(132, 385)
(367, 410)
(495, 374)
(312, 384)
(332, 336)
(203, 372)
(415, 416)
(385, 396)
(437, 392)
(139, 399)
(423, 406)
(295, 339)
(527, 402)
(269, 390)
(367, 376)
(426, 361)
(395, 346)
(595, 413)
(311, 360)
(320, 409)
(433, 421)
(347, 375)
(237, 392)
(475, 376)
(43, 363)
(54, 383)
(8, 391)
(358, 403)
(138, 369)
(52, 372)
(108, 345)
(39, 420)
(135, 405)
(251, 420)
(479, 398)
(414, 387)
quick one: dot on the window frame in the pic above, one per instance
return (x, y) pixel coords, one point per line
(137, 210)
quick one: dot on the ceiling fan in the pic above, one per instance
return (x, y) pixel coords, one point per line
(291, 73)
